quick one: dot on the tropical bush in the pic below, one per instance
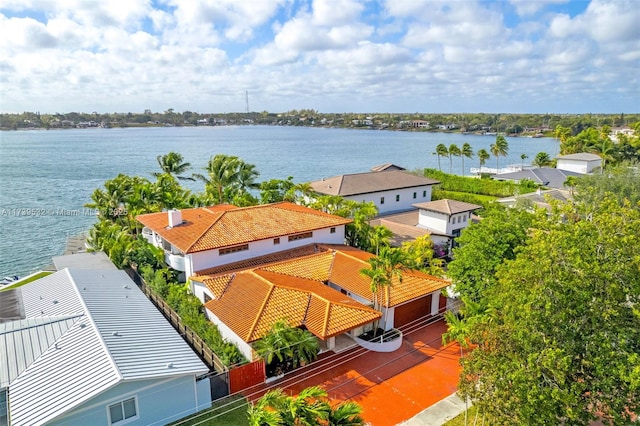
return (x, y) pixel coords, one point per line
(285, 348)
(495, 188)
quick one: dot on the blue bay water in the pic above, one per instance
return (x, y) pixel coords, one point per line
(46, 177)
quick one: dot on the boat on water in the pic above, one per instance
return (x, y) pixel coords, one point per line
(8, 280)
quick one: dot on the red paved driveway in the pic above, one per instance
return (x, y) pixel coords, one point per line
(391, 387)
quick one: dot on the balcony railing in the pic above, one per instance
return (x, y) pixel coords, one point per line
(175, 261)
(388, 341)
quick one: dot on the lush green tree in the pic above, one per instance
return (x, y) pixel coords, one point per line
(605, 149)
(420, 254)
(274, 190)
(454, 151)
(380, 237)
(620, 183)
(499, 149)
(483, 246)
(562, 344)
(542, 159)
(441, 151)
(483, 156)
(172, 164)
(465, 151)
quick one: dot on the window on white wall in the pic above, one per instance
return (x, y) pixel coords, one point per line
(424, 194)
(123, 412)
(332, 230)
(397, 198)
(381, 200)
(415, 194)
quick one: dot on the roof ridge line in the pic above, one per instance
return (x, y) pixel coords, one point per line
(50, 319)
(220, 215)
(112, 361)
(252, 329)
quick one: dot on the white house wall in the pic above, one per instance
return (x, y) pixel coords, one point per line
(578, 166)
(210, 258)
(230, 336)
(390, 204)
(159, 402)
(442, 222)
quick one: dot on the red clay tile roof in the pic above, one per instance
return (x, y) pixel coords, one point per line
(254, 300)
(208, 228)
(250, 301)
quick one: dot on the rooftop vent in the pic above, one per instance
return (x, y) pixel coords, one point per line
(115, 333)
(169, 365)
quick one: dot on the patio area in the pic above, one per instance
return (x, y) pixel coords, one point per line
(390, 387)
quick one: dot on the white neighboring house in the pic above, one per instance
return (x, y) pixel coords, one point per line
(582, 162)
(83, 347)
(442, 220)
(198, 239)
(390, 190)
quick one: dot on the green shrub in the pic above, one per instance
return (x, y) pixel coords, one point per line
(472, 185)
(483, 200)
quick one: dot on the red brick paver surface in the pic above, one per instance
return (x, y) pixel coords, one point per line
(390, 387)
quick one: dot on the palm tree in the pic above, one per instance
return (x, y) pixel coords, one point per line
(441, 151)
(173, 164)
(380, 237)
(522, 158)
(465, 151)
(454, 151)
(571, 183)
(483, 156)
(222, 173)
(310, 407)
(382, 271)
(499, 149)
(346, 414)
(604, 148)
(542, 159)
(290, 346)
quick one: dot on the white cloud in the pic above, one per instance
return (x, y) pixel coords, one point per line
(324, 54)
(531, 7)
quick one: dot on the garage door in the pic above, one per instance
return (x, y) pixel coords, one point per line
(413, 310)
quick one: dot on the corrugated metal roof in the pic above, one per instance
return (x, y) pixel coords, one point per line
(23, 341)
(107, 331)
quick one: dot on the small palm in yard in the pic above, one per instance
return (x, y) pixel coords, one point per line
(285, 348)
(310, 407)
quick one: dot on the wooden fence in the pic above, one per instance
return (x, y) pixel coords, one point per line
(197, 344)
(245, 376)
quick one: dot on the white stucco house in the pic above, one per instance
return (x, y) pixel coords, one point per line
(442, 220)
(86, 347)
(317, 286)
(390, 190)
(201, 238)
(582, 162)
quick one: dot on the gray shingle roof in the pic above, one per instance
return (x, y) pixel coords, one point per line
(447, 206)
(553, 178)
(366, 183)
(584, 156)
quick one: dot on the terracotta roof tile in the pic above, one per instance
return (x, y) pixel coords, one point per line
(209, 228)
(296, 289)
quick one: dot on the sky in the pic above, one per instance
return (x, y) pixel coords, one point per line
(404, 56)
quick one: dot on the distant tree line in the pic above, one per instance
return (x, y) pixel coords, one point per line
(510, 124)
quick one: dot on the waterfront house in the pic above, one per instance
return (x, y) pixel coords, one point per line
(543, 176)
(582, 162)
(85, 346)
(442, 220)
(319, 287)
(206, 237)
(390, 190)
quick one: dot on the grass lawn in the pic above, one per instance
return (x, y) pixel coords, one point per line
(471, 419)
(230, 411)
(27, 280)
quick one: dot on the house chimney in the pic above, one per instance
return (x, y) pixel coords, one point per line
(175, 218)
